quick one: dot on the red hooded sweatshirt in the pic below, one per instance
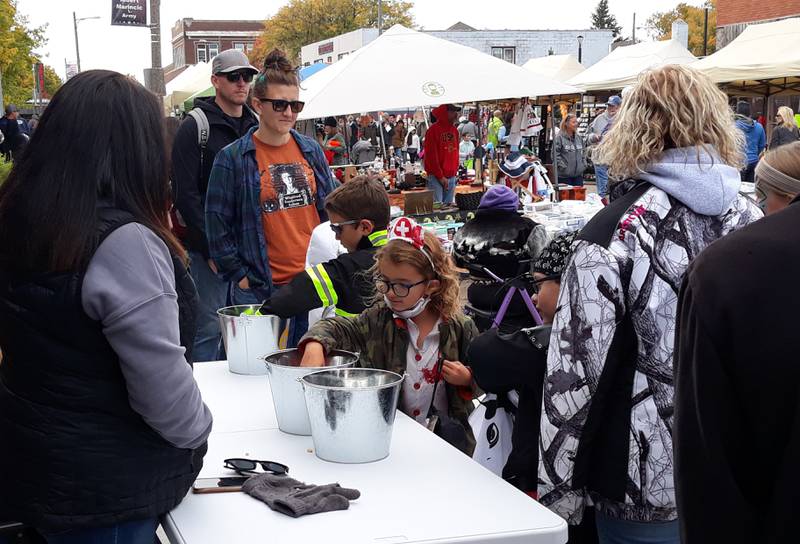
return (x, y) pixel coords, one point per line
(441, 146)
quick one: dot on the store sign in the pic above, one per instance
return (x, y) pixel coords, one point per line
(129, 12)
(325, 48)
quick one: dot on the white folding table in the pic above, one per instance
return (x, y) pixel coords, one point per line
(425, 491)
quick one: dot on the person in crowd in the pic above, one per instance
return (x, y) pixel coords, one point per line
(412, 144)
(363, 152)
(496, 239)
(416, 328)
(569, 151)
(359, 214)
(334, 142)
(228, 119)
(15, 131)
(736, 429)
(597, 131)
(399, 139)
(606, 430)
(104, 428)
(266, 194)
(504, 131)
(369, 129)
(388, 135)
(465, 150)
(352, 131)
(494, 128)
(502, 363)
(441, 154)
(778, 178)
(786, 130)
(755, 139)
(469, 128)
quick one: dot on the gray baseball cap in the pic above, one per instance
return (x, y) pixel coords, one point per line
(231, 60)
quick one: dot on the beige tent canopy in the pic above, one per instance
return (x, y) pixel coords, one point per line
(763, 60)
(558, 67)
(623, 65)
(192, 80)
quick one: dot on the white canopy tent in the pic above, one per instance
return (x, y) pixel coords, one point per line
(557, 67)
(763, 60)
(624, 64)
(404, 68)
(192, 80)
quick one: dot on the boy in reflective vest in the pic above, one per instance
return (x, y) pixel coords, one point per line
(359, 215)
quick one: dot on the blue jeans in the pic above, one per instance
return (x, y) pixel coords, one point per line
(398, 152)
(601, 174)
(298, 325)
(131, 532)
(618, 531)
(213, 294)
(439, 193)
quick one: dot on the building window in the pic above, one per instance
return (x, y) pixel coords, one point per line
(240, 46)
(178, 57)
(202, 53)
(207, 51)
(342, 55)
(508, 54)
(213, 50)
(330, 60)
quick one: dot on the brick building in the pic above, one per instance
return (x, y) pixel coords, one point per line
(734, 15)
(196, 41)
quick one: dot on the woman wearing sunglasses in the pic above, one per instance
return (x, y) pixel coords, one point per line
(266, 194)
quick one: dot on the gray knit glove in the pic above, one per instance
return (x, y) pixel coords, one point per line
(288, 496)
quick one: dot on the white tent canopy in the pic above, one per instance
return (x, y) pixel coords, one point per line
(624, 64)
(404, 68)
(558, 67)
(192, 80)
(763, 59)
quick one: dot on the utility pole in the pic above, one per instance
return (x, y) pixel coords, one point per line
(633, 36)
(705, 33)
(2, 101)
(380, 17)
(77, 48)
(155, 80)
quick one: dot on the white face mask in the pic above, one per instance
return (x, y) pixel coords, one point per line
(412, 312)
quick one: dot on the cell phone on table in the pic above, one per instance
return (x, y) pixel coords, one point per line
(225, 484)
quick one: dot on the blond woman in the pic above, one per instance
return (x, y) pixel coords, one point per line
(786, 128)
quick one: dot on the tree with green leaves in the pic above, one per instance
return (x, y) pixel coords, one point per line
(661, 25)
(18, 43)
(301, 22)
(603, 18)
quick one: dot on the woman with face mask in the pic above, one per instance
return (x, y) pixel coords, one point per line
(415, 326)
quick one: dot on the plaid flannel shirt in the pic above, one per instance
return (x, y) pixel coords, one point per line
(236, 238)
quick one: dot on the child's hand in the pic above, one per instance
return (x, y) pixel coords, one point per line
(313, 355)
(456, 373)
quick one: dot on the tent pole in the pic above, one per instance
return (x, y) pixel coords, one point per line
(553, 148)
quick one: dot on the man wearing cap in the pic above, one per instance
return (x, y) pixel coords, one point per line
(334, 142)
(16, 132)
(228, 118)
(599, 127)
(441, 153)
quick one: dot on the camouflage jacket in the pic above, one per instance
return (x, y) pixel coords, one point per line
(382, 342)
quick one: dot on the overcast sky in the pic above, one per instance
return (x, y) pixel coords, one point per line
(127, 50)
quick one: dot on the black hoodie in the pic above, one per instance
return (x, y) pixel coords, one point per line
(190, 173)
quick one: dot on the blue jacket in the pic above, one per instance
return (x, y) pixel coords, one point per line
(235, 233)
(756, 138)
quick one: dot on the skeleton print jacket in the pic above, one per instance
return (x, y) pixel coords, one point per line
(606, 431)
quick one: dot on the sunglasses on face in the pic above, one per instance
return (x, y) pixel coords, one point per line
(399, 289)
(249, 465)
(337, 227)
(537, 284)
(280, 105)
(234, 77)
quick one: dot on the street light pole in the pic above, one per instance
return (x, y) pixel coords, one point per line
(77, 48)
(380, 17)
(580, 49)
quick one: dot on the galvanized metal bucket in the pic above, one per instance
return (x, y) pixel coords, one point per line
(285, 372)
(248, 337)
(352, 413)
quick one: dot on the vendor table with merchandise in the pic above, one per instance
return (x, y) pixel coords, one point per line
(425, 491)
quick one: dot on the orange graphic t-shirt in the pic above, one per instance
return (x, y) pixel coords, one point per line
(288, 206)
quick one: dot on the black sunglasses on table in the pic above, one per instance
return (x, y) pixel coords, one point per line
(234, 77)
(280, 105)
(249, 465)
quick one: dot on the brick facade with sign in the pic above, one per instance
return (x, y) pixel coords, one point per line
(195, 41)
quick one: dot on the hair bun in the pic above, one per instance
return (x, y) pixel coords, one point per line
(276, 60)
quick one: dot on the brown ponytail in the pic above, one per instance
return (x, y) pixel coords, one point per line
(277, 71)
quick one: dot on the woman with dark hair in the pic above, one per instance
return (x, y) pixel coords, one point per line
(103, 426)
(266, 194)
